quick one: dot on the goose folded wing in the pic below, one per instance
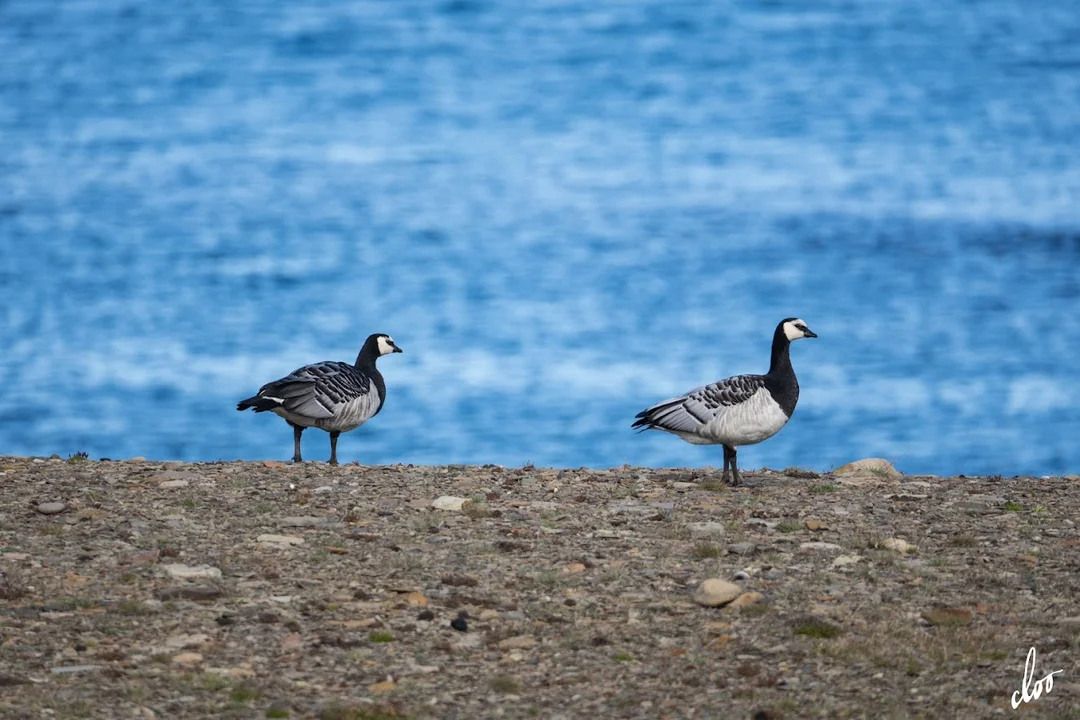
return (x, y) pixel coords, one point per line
(696, 408)
(319, 391)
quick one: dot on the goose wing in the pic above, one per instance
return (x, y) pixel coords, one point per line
(321, 390)
(687, 413)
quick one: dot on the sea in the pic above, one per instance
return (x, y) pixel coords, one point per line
(562, 211)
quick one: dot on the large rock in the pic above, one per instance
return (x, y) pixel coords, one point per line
(715, 592)
(869, 468)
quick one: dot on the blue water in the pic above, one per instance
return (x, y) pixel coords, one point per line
(563, 211)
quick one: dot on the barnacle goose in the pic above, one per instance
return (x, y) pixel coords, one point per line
(334, 396)
(741, 410)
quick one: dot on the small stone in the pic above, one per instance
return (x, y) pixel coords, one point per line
(684, 485)
(817, 545)
(415, 599)
(189, 572)
(449, 502)
(898, 544)
(743, 548)
(816, 525)
(459, 624)
(273, 464)
(426, 615)
(293, 641)
(705, 529)
(280, 540)
(52, 508)
(947, 616)
(168, 484)
(187, 642)
(575, 568)
(715, 592)
(740, 575)
(844, 560)
(383, 687)
(420, 503)
(337, 550)
(746, 599)
(193, 592)
(1070, 621)
(306, 521)
(75, 669)
(143, 558)
(324, 489)
(188, 659)
(521, 642)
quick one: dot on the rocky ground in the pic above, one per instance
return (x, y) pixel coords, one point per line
(161, 590)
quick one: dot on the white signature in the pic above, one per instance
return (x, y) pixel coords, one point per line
(1029, 692)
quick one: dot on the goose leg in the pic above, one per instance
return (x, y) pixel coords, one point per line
(736, 478)
(333, 447)
(726, 477)
(297, 431)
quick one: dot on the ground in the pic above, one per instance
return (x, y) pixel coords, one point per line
(166, 590)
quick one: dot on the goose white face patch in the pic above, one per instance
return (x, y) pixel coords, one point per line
(386, 345)
(792, 331)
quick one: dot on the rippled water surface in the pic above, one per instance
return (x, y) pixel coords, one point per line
(562, 211)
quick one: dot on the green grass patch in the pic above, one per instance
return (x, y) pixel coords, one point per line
(505, 685)
(1013, 507)
(789, 527)
(815, 628)
(381, 636)
(706, 550)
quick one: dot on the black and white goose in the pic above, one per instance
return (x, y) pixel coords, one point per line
(741, 410)
(334, 396)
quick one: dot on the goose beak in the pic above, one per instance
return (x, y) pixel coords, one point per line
(397, 349)
(809, 333)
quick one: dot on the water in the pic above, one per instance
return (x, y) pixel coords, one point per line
(562, 211)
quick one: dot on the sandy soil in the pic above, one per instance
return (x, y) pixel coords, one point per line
(162, 590)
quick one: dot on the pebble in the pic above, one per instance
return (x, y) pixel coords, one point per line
(1070, 621)
(75, 669)
(324, 489)
(816, 525)
(818, 545)
(280, 540)
(521, 642)
(306, 521)
(459, 624)
(448, 502)
(188, 658)
(187, 642)
(743, 548)
(842, 560)
(747, 598)
(715, 592)
(174, 484)
(898, 544)
(198, 593)
(684, 485)
(52, 508)
(705, 529)
(192, 572)
(947, 616)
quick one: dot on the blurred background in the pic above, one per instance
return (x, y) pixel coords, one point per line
(563, 211)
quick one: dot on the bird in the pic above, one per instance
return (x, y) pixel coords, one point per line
(334, 396)
(740, 410)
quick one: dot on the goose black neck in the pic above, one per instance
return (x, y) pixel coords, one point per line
(365, 361)
(780, 363)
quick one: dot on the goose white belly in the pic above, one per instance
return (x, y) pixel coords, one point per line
(748, 423)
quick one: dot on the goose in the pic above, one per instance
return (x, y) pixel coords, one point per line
(334, 396)
(741, 410)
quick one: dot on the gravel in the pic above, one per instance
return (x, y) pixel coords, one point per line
(252, 589)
